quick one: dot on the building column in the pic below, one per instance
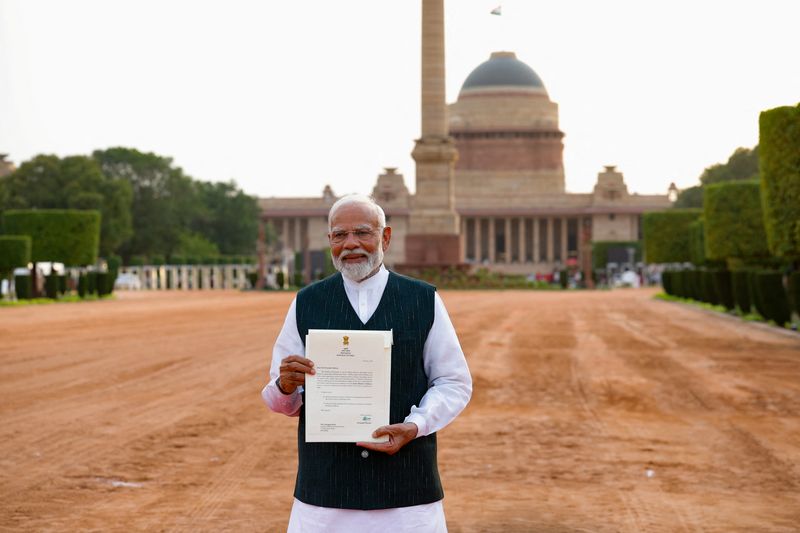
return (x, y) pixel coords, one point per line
(491, 241)
(285, 233)
(463, 238)
(476, 239)
(564, 232)
(507, 239)
(535, 228)
(550, 239)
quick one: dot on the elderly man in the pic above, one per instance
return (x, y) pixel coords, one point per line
(388, 486)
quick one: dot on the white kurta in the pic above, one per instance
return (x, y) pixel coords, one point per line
(450, 390)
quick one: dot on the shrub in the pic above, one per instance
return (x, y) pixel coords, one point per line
(62, 284)
(15, 251)
(734, 225)
(157, 260)
(755, 295)
(779, 162)
(66, 236)
(709, 290)
(666, 235)
(741, 292)
(280, 279)
(723, 288)
(105, 284)
(794, 291)
(51, 285)
(666, 282)
(252, 277)
(82, 285)
(697, 240)
(23, 286)
(563, 278)
(773, 296)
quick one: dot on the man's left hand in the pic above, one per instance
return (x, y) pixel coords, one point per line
(399, 436)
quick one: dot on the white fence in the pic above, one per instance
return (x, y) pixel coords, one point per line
(191, 277)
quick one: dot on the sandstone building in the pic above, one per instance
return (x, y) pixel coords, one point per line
(490, 166)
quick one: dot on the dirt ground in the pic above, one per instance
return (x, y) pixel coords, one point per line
(604, 411)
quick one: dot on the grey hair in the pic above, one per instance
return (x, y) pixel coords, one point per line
(358, 199)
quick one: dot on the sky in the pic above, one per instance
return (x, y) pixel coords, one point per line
(286, 97)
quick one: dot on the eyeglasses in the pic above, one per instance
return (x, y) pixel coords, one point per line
(362, 235)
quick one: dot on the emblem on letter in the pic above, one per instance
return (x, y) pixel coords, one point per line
(345, 340)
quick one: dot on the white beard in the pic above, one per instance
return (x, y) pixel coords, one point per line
(358, 271)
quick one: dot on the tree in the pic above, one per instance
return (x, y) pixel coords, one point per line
(229, 217)
(164, 199)
(75, 182)
(691, 197)
(741, 165)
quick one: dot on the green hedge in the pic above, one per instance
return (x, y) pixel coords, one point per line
(779, 162)
(697, 242)
(666, 235)
(23, 286)
(666, 281)
(734, 222)
(709, 291)
(51, 286)
(794, 291)
(741, 292)
(66, 236)
(772, 297)
(15, 251)
(600, 252)
(723, 288)
(755, 295)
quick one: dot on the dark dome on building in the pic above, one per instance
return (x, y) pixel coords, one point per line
(503, 69)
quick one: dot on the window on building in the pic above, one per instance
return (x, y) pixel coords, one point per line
(484, 239)
(515, 240)
(557, 240)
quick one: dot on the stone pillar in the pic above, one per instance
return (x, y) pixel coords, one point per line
(564, 241)
(285, 234)
(507, 239)
(492, 244)
(434, 108)
(550, 239)
(433, 222)
(535, 228)
(463, 240)
(476, 238)
(521, 248)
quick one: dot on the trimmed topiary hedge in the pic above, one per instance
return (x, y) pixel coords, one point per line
(709, 292)
(772, 296)
(15, 252)
(66, 236)
(741, 292)
(734, 222)
(666, 235)
(755, 295)
(23, 286)
(779, 167)
(723, 288)
(51, 286)
(666, 282)
(794, 291)
(697, 242)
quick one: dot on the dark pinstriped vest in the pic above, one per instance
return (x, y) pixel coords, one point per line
(336, 474)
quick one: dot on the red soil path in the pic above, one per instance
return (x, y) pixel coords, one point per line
(605, 411)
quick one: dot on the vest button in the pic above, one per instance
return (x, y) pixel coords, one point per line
(364, 454)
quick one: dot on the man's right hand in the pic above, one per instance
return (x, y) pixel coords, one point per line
(293, 372)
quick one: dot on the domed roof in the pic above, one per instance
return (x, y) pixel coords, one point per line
(503, 69)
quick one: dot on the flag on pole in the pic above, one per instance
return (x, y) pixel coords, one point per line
(498, 10)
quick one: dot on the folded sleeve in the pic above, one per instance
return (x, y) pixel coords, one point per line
(449, 380)
(287, 343)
